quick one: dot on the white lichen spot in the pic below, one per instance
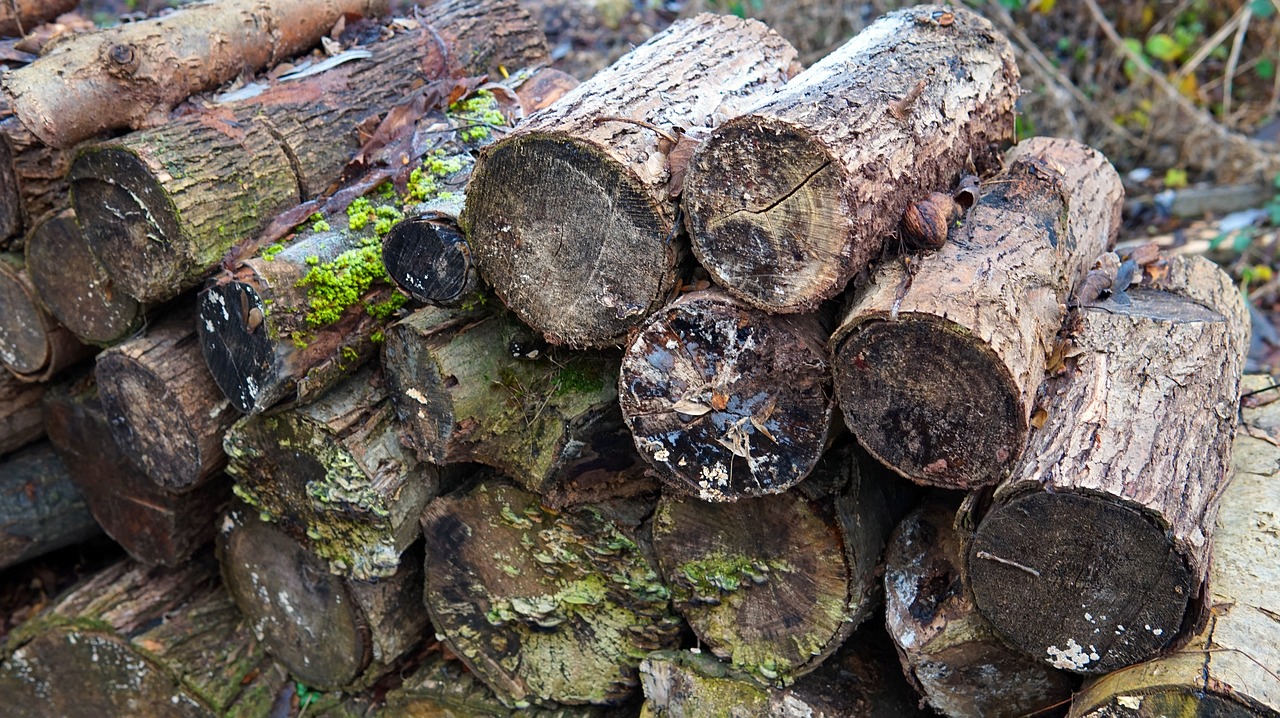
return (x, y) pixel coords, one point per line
(1133, 703)
(415, 395)
(1157, 632)
(1073, 658)
(1089, 617)
(661, 455)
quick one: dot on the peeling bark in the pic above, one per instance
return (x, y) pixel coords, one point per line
(571, 218)
(1106, 522)
(33, 181)
(937, 367)
(790, 200)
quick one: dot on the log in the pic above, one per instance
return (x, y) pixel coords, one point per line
(20, 422)
(33, 347)
(165, 411)
(947, 649)
(75, 287)
(19, 16)
(860, 680)
(937, 366)
(544, 605)
(550, 422)
(790, 200)
(334, 475)
(155, 526)
(162, 207)
(571, 217)
(1228, 667)
(1107, 519)
(726, 401)
(32, 181)
(330, 632)
(159, 643)
(775, 584)
(41, 509)
(133, 74)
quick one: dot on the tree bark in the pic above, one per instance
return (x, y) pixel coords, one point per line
(543, 605)
(551, 423)
(948, 650)
(20, 422)
(334, 475)
(133, 74)
(33, 347)
(330, 632)
(164, 410)
(40, 507)
(32, 181)
(162, 643)
(1228, 667)
(776, 584)
(1107, 519)
(17, 17)
(937, 366)
(726, 401)
(789, 201)
(155, 526)
(162, 207)
(571, 217)
(860, 680)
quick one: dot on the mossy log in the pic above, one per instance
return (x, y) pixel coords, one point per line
(543, 605)
(41, 508)
(155, 526)
(948, 650)
(726, 401)
(129, 641)
(775, 584)
(862, 680)
(571, 218)
(20, 422)
(330, 632)
(133, 74)
(165, 412)
(937, 367)
(793, 198)
(1228, 667)
(549, 421)
(1106, 521)
(74, 285)
(17, 17)
(162, 207)
(33, 181)
(33, 346)
(335, 476)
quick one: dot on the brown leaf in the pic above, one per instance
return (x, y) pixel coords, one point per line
(718, 400)
(691, 408)
(545, 87)
(678, 163)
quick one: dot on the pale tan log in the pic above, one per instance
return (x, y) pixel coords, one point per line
(937, 372)
(1230, 667)
(789, 201)
(1105, 523)
(571, 217)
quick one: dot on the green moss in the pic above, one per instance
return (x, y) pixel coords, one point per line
(377, 337)
(318, 224)
(476, 115)
(335, 286)
(269, 254)
(359, 214)
(424, 181)
(382, 310)
(718, 573)
(350, 354)
(573, 380)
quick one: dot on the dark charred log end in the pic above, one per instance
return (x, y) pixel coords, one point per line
(149, 421)
(930, 401)
(429, 259)
(12, 214)
(306, 616)
(1110, 575)
(544, 214)
(240, 357)
(25, 347)
(766, 214)
(74, 285)
(129, 220)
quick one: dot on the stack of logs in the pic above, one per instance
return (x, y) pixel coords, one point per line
(500, 394)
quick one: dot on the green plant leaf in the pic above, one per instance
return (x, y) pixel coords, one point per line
(1163, 47)
(1242, 242)
(1262, 9)
(1265, 69)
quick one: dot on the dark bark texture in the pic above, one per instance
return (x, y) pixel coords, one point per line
(33, 346)
(41, 508)
(20, 422)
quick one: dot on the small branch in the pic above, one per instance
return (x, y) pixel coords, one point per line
(901, 108)
(1234, 60)
(1007, 562)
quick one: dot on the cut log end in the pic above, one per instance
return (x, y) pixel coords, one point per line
(429, 259)
(149, 421)
(1110, 575)
(238, 351)
(25, 347)
(767, 231)
(954, 422)
(126, 214)
(1161, 703)
(74, 286)
(521, 193)
(304, 613)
